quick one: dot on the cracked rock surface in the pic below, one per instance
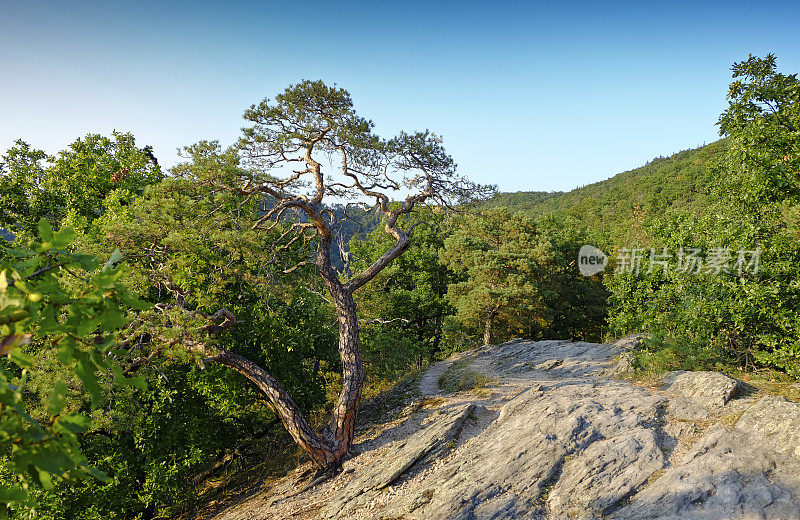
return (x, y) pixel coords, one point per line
(556, 436)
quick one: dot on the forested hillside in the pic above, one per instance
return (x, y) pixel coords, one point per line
(614, 208)
(703, 244)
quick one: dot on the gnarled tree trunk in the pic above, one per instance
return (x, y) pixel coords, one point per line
(284, 407)
(329, 448)
(341, 430)
(488, 325)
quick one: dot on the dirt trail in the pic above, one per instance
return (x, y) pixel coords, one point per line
(429, 384)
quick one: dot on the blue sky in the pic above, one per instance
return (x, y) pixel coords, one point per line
(528, 96)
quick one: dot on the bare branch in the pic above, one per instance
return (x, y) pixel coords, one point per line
(380, 321)
(223, 319)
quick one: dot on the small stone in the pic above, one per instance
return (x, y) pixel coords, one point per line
(710, 389)
(548, 365)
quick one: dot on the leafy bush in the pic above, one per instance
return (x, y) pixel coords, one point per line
(55, 299)
(746, 319)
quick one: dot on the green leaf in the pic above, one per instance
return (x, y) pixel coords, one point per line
(64, 237)
(66, 350)
(96, 473)
(22, 359)
(58, 397)
(45, 479)
(48, 458)
(132, 300)
(10, 493)
(85, 326)
(72, 423)
(20, 253)
(112, 320)
(86, 371)
(88, 262)
(45, 231)
(29, 266)
(116, 257)
(139, 382)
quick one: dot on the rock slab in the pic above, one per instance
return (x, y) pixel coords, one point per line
(556, 438)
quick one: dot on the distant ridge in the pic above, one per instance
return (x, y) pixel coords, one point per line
(680, 183)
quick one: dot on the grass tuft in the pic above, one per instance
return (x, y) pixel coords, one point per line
(459, 378)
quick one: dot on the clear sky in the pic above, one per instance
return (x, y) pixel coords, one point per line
(528, 96)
